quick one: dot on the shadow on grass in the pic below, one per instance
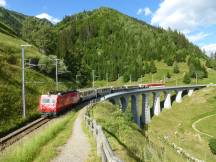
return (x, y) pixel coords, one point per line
(130, 153)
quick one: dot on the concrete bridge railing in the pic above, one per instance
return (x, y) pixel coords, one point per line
(122, 98)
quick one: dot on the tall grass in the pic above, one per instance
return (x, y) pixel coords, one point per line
(30, 148)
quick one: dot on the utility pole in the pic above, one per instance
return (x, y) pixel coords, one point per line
(107, 79)
(152, 78)
(93, 78)
(23, 79)
(130, 79)
(56, 63)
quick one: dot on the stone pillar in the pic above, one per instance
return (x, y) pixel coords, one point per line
(145, 109)
(167, 102)
(179, 96)
(115, 101)
(190, 92)
(156, 106)
(124, 103)
(135, 108)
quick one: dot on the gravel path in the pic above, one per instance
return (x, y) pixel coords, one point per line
(77, 147)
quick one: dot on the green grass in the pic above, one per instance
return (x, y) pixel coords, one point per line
(127, 140)
(92, 157)
(10, 85)
(14, 43)
(42, 146)
(162, 70)
(176, 124)
(208, 125)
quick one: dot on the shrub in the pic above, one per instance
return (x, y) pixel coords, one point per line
(212, 145)
(11, 59)
(176, 68)
(187, 78)
(168, 75)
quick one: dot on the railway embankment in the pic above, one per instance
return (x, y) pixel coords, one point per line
(34, 146)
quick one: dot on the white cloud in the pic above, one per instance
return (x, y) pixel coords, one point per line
(209, 48)
(144, 11)
(196, 37)
(185, 15)
(2, 3)
(48, 17)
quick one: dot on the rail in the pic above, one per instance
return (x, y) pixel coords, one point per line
(20, 133)
(104, 149)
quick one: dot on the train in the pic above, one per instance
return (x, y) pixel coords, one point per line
(54, 103)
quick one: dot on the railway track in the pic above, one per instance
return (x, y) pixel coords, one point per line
(18, 134)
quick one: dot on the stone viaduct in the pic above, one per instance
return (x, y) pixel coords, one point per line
(121, 98)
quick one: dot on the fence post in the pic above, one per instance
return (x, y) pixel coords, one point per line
(99, 141)
(94, 128)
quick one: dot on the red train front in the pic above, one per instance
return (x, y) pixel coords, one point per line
(53, 104)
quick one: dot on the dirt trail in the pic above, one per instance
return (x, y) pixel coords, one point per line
(77, 147)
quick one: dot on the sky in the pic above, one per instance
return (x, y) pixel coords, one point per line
(194, 18)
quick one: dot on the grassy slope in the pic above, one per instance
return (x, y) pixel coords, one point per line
(162, 70)
(127, 140)
(208, 125)
(10, 85)
(176, 124)
(34, 147)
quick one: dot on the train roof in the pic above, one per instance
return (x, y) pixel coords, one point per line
(61, 92)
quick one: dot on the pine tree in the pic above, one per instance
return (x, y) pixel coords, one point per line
(168, 75)
(187, 78)
(176, 68)
(153, 68)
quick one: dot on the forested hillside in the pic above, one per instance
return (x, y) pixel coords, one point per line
(12, 19)
(113, 44)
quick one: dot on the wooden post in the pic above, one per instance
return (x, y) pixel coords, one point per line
(99, 141)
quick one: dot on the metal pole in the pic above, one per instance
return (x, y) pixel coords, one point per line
(152, 77)
(93, 78)
(107, 79)
(56, 74)
(23, 84)
(130, 79)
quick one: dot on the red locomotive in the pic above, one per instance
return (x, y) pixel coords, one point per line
(53, 104)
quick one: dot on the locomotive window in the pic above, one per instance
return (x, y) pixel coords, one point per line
(48, 101)
(53, 101)
(45, 100)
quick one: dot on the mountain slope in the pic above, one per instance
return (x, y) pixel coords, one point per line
(12, 19)
(10, 83)
(120, 44)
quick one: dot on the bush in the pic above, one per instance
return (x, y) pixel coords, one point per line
(168, 75)
(212, 145)
(11, 59)
(187, 78)
(176, 68)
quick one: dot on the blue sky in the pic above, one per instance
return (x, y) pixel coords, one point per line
(196, 19)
